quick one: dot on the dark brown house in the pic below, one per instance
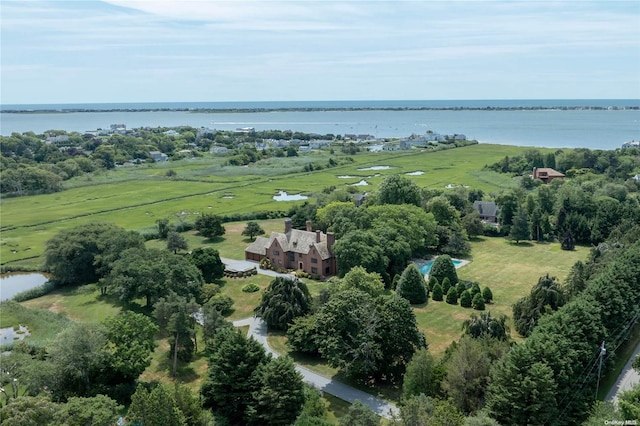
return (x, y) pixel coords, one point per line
(546, 174)
(309, 251)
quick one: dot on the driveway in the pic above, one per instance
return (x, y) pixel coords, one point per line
(242, 265)
(627, 379)
(258, 330)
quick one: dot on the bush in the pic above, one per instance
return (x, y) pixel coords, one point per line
(475, 289)
(465, 299)
(437, 293)
(487, 295)
(265, 263)
(33, 293)
(250, 288)
(446, 285)
(443, 267)
(411, 285)
(478, 302)
(222, 303)
(432, 282)
(452, 296)
(460, 288)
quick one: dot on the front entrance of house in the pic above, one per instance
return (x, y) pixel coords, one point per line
(300, 266)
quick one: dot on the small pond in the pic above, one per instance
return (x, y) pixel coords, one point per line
(417, 173)
(14, 283)
(346, 177)
(361, 183)
(377, 168)
(283, 196)
(10, 335)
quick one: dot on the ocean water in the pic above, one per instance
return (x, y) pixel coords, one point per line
(607, 127)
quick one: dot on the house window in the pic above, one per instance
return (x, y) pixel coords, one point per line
(299, 255)
(314, 260)
(276, 252)
(292, 256)
(327, 270)
(314, 270)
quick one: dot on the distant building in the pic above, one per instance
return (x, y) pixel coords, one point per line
(546, 174)
(488, 211)
(57, 139)
(304, 148)
(308, 251)
(171, 132)
(218, 150)
(120, 129)
(631, 144)
(158, 156)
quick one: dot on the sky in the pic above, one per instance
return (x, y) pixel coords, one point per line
(179, 50)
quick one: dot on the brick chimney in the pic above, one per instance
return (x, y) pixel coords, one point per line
(318, 235)
(287, 225)
(331, 240)
(309, 226)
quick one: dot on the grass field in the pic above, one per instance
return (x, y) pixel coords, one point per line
(135, 197)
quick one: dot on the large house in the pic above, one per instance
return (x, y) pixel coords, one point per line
(309, 251)
(488, 210)
(546, 174)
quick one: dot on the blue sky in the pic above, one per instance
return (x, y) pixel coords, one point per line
(154, 51)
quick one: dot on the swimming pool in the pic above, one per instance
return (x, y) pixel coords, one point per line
(426, 268)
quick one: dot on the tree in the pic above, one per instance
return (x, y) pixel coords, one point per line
(207, 260)
(520, 228)
(432, 282)
(283, 301)
(443, 267)
(81, 255)
(486, 326)
(301, 335)
(465, 299)
(423, 410)
(99, 410)
(252, 229)
(452, 296)
(460, 287)
(154, 407)
(546, 296)
(229, 385)
(175, 314)
(477, 302)
(446, 285)
(212, 321)
(437, 293)
(359, 278)
(636, 364)
(130, 343)
(28, 411)
(176, 242)
(420, 377)
(359, 415)
(487, 295)
(412, 286)
(398, 189)
(163, 228)
(629, 403)
(360, 248)
(279, 396)
(209, 225)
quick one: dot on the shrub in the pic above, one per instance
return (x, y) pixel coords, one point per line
(411, 285)
(460, 288)
(222, 303)
(33, 293)
(465, 299)
(432, 282)
(487, 295)
(446, 285)
(208, 291)
(250, 288)
(478, 302)
(437, 293)
(475, 289)
(452, 296)
(265, 263)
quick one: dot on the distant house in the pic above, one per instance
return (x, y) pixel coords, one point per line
(308, 251)
(158, 156)
(218, 150)
(636, 177)
(631, 144)
(546, 174)
(171, 132)
(304, 148)
(488, 211)
(57, 139)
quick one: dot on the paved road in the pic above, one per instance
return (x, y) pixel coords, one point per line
(626, 380)
(258, 330)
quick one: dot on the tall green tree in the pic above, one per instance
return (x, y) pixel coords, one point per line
(520, 229)
(209, 225)
(163, 227)
(252, 229)
(359, 415)
(284, 300)
(442, 268)
(360, 248)
(155, 407)
(546, 296)
(28, 411)
(485, 325)
(412, 285)
(421, 376)
(280, 395)
(229, 385)
(99, 410)
(207, 260)
(359, 278)
(398, 189)
(176, 242)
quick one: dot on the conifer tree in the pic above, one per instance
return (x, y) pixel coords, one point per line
(411, 285)
(437, 292)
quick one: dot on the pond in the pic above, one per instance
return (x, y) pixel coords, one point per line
(417, 173)
(14, 283)
(377, 168)
(10, 335)
(361, 183)
(283, 196)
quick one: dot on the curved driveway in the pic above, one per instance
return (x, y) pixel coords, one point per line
(258, 330)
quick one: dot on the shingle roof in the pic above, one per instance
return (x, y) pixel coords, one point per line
(486, 208)
(296, 241)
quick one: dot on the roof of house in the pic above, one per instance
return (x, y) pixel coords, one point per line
(546, 172)
(486, 208)
(296, 241)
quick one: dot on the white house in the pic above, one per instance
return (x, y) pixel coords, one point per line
(631, 144)
(158, 156)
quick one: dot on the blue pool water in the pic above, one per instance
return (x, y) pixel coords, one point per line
(426, 268)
